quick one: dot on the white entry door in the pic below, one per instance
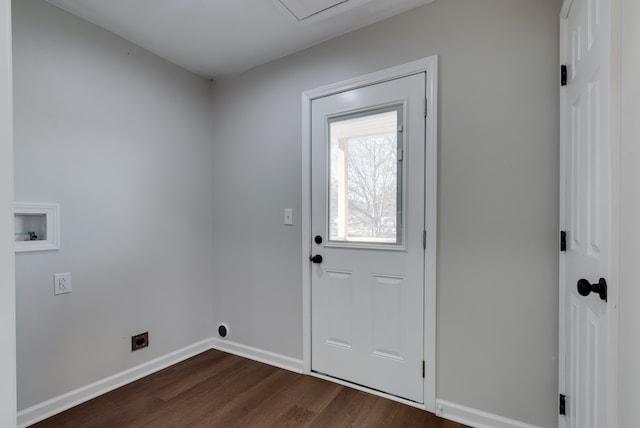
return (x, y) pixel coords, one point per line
(367, 197)
(585, 191)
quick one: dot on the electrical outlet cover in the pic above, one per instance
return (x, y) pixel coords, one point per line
(140, 341)
(62, 283)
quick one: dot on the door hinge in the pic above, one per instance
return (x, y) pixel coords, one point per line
(426, 106)
(424, 239)
(423, 368)
(563, 404)
(563, 75)
(563, 240)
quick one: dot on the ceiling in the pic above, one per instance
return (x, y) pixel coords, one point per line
(217, 38)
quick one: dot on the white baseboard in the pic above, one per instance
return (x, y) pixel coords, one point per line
(63, 402)
(474, 417)
(455, 412)
(260, 355)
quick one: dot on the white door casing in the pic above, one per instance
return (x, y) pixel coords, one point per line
(421, 392)
(585, 374)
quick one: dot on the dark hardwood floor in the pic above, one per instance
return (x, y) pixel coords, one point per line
(216, 389)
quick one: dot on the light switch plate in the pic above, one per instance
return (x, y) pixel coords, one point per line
(62, 283)
(288, 216)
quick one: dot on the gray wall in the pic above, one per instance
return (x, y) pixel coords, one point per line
(498, 192)
(629, 369)
(122, 140)
(7, 287)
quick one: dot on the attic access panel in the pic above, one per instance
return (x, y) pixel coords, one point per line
(303, 9)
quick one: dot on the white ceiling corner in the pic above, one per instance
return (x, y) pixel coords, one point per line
(226, 37)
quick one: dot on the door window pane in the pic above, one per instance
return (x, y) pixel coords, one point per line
(365, 177)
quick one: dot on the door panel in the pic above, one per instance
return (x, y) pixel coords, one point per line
(339, 301)
(367, 294)
(387, 316)
(587, 202)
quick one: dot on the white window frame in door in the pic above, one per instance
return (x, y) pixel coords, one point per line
(430, 67)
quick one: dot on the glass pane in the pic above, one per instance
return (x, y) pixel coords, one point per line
(365, 178)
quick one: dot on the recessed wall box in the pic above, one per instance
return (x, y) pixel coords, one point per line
(36, 226)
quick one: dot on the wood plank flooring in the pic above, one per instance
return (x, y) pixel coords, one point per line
(216, 389)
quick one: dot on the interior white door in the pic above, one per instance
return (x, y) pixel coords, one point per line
(367, 279)
(586, 201)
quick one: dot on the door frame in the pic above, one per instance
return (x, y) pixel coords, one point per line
(614, 219)
(8, 395)
(428, 65)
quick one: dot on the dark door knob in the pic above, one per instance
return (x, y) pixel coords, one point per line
(585, 288)
(318, 239)
(316, 259)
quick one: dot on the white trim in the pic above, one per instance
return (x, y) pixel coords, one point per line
(562, 350)
(431, 226)
(85, 393)
(613, 291)
(80, 395)
(52, 215)
(475, 418)
(256, 354)
(442, 408)
(430, 66)
(7, 255)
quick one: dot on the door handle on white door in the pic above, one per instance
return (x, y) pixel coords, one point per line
(316, 259)
(585, 288)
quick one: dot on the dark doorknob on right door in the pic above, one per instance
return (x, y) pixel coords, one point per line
(585, 288)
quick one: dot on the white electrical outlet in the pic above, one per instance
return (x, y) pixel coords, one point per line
(62, 283)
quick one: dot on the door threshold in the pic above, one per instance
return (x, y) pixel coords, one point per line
(368, 390)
